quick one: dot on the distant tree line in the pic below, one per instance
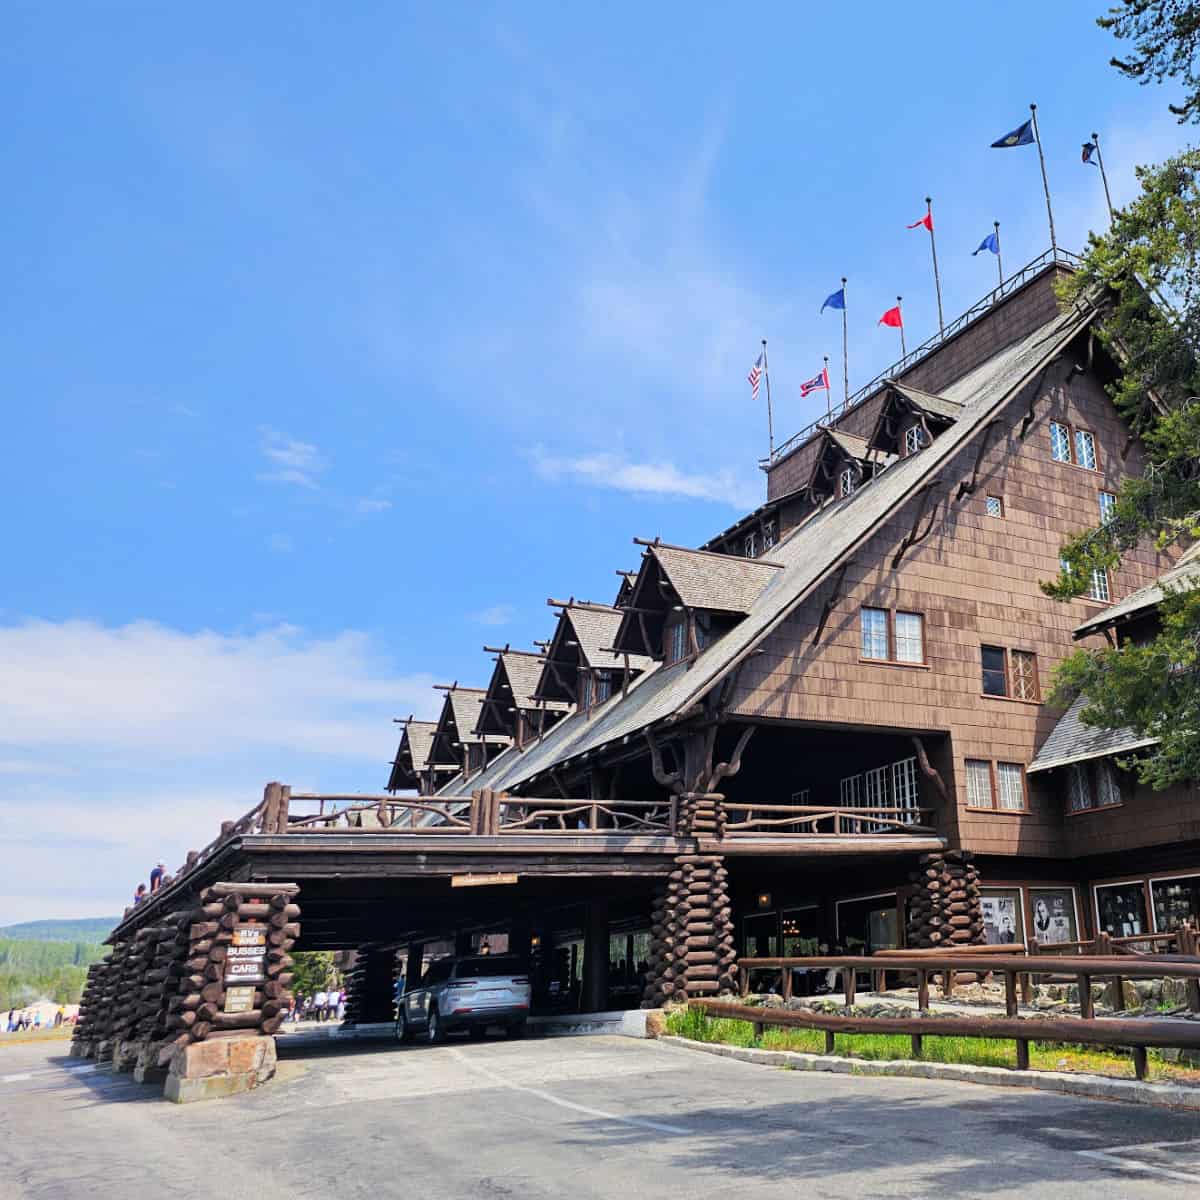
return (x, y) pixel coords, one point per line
(55, 971)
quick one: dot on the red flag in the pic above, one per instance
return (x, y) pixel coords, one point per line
(892, 317)
(926, 220)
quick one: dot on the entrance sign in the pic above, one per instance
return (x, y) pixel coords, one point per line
(247, 958)
(481, 880)
(239, 999)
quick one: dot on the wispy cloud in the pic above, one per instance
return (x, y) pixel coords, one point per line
(646, 478)
(498, 614)
(290, 460)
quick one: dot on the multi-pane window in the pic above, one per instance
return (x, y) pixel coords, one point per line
(1023, 668)
(603, 686)
(889, 636)
(1010, 785)
(910, 637)
(914, 439)
(752, 545)
(979, 783)
(1108, 502)
(847, 481)
(875, 633)
(1099, 589)
(1085, 449)
(587, 687)
(768, 535)
(893, 785)
(851, 792)
(1092, 785)
(995, 507)
(995, 671)
(995, 785)
(1060, 442)
(905, 791)
(676, 639)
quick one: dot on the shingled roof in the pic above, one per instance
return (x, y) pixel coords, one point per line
(412, 755)
(583, 638)
(1071, 741)
(513, 683)
(1184, 574)
(807, 554)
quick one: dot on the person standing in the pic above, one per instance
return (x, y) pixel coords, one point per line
(320, 1003)
(156, 877)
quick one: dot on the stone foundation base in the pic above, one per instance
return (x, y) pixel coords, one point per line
(125, 1055)
(81, 1049)
(103, 1050)
(147, 1070)
(219, 1066)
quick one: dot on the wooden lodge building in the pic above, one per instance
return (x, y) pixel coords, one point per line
(783, 739)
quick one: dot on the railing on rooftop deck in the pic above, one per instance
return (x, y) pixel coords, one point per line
(1010, 285)
(828, 819)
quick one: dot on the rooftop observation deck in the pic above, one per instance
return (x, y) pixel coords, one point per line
(308, 835)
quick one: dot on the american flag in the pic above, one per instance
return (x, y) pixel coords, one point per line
(754, 376)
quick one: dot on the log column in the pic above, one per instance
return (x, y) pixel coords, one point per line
(370, 986)
(945, 907)
(595, 958)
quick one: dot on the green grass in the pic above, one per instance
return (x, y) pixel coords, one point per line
(981, 1052)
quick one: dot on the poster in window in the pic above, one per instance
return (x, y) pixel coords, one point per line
(1000, 917)
(1053, 916)
(1122, 909)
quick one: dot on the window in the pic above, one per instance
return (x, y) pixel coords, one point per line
(995, 672)
(586, 689)
(800, 797)
(914, 439)
(995, 507)
(768, 535)
(1092, 785)
(905, 791)
(1175, 901)
(676, 641)
(1099, 589)
(846, 482)
(1002, 788)
(1024, 675)
(752, 545)
(1060, 442)
(1108, 502)
(603, 688)
(979, 783)
(1122, 909)
(875, 633)
(889, 636)
(1010, 783)
(894, 785)
(851, 792)
(1085, 449)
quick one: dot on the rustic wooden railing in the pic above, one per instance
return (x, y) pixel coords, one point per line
(1183, 940)
(831, 820)
(1137, 1034)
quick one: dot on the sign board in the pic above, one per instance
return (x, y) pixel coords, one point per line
(239, 999)
(247, 957)
(480, 880)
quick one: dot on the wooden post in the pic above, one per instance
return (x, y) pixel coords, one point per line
(1086, 1010)
(923, 990)
(829, 1043)
(1140, 1061)
(594, 996)
(413, 966)
(759, 1029)
(743, 981)
(1026, 987)
(849, 983)
(1010, 993)
(1022, 1054)
(917, 1045)
(787, 983)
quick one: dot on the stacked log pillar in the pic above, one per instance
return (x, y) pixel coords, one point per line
(91, 1010)
(107, 1000)
(945, 910)
(692, 949)
(370, 987)
(127, 1010)
(197, 1012)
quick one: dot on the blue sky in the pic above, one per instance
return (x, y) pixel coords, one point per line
(338, 337)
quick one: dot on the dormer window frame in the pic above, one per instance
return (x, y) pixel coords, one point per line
(848, 479)
(676, 639)
(769, 538)
(750, 544)
(916, 438)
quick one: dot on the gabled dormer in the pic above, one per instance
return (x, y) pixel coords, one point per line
(685, 599)
(910, 419)
(414, 765)
(580, 666)
(842, 465)
(509, 708)
(455, 739)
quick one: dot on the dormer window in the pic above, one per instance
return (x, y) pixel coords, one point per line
(587, 690)
(604, 685)
(768, 535)
(752, 545)
(914, 439)
(847, 482)
(675, 641)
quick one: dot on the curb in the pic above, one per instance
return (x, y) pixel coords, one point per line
(1095, 1087)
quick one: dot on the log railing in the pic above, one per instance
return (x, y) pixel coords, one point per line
(832, 820)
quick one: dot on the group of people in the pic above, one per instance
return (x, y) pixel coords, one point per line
(20, 1020)
(327, 1005)
(158, 879)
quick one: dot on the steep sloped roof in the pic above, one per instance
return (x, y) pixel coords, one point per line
(523, 669)
(807, 554)
(721, 582)
(1185, 573)
(1071, 741)
(416, 742)
(851, 443)
(938, 406)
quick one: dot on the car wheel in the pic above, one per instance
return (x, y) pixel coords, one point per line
(403, 1033)
(433, 1027)
(515, 1031)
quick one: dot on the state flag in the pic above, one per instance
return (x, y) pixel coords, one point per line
(1021, 136)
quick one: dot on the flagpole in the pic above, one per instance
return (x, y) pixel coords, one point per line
(828, 393)
(770, 420)
(999, 263)
(1037, 137)
(903, 348)
(937, 279)
(845, 345)
(1104, 177)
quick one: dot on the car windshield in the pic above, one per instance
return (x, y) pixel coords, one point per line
(487, 967)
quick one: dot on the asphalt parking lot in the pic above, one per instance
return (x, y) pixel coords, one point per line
(600, 1117)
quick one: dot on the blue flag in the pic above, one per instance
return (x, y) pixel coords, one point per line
(837, 300)
(989, 243)
(1089, 148)
(1021, 136)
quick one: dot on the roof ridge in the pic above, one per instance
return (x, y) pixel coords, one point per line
(763, 562)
